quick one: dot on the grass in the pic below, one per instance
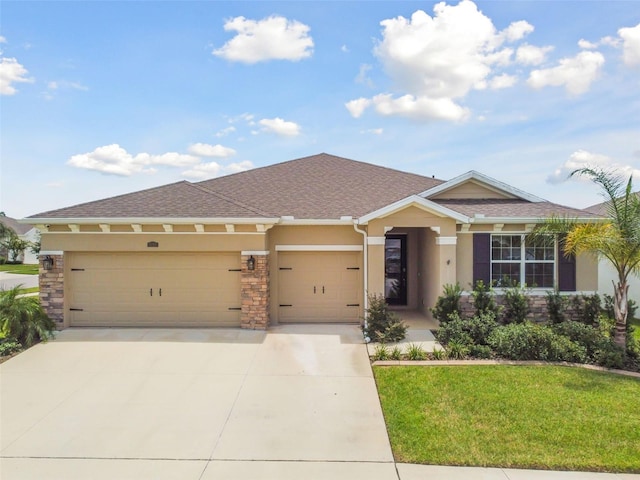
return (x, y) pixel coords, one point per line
(636, 323)
(20, 268)
(23, 291)
(554, 418)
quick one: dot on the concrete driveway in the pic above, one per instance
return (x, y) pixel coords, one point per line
(296, 402)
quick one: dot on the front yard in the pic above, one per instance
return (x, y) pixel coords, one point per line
(555, 418)
(20, 268)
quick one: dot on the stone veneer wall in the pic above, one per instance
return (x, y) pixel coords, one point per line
(254, 286)
(537, 305)
(52, 290)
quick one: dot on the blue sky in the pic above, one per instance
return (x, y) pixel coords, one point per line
(103, 98)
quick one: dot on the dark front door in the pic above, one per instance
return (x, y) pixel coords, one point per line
(395, 269)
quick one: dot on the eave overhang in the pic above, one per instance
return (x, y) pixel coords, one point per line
(414, 200)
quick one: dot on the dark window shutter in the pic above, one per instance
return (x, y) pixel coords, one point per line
(482, 257)
(566, 269)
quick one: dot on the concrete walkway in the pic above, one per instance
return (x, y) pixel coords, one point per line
(193, 404)
(10, 280)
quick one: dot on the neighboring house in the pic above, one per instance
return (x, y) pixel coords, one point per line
(606, 273)
(299, 241)
(24, 232)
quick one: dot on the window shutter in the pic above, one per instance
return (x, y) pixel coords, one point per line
(566, 269)
(482, 257)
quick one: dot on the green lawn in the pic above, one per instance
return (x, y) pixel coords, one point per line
(27, 269)
(555, 418)
(636, 322)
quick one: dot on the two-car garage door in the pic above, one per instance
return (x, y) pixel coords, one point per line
(154, 289)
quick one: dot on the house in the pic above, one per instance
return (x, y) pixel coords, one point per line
(24, 232)
(299, 241)
(606, 273)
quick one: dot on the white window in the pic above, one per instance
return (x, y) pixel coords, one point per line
(519, 260)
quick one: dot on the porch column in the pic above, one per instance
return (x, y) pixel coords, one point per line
(255, 291)
(446, 265)
(375, 267)
(52, 288)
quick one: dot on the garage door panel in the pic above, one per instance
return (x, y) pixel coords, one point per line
(319, 286)
(140, 289)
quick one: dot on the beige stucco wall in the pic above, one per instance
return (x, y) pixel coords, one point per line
(412, 217)
(470, 189)
(586, 273)
(464, 260)
(137, 242)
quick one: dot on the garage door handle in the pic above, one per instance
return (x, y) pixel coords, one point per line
(151, 292)
(353, 304)
(314, 289)
(76, 309)
(286, 305)
(323, 289)
(160, 292)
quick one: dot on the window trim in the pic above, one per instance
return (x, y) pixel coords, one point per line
(523, 260)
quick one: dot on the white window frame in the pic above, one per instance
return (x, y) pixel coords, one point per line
(523, 259)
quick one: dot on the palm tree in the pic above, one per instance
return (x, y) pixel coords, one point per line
(617, 239)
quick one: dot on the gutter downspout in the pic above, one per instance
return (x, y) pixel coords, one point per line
(366, 269)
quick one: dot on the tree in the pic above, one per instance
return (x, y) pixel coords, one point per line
(617, 239)
(15, 246)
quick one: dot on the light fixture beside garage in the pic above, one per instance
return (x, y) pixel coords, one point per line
(251, 263)
(47, 262)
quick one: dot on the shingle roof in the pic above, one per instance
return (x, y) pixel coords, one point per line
(511, 208)
(321, 186)
(601, 208)
(13, 224)
(182, 199)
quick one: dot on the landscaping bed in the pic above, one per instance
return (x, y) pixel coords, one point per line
(539, 417)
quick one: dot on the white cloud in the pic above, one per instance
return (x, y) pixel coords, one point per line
(213, 169)
(502, 81)
(280, 127)
(587, 45)
(362, 76)
(11, 72)
(532, 55)
(357, 107)
(272, 38)
(420, 108)
(344, 49)
(631, 45)
(3, 39)
(584, 159)
(225, 131)
(575, 74)
(206, 150)
(115, 160)
(518, 30)
(374, 131)
(433, 61)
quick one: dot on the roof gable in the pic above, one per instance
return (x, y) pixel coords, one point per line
(415, 201)
(495, 188)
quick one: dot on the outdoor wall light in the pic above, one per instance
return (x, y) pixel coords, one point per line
(47, 262)
(251, 263)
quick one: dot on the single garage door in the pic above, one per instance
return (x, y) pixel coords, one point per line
(319, 287)
(154, 289)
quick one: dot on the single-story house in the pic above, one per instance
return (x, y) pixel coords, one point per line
(606, 273)
(299, 241)
(24, 232)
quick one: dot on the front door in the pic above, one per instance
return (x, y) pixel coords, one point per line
(395, 269)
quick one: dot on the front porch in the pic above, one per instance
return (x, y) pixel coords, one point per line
(419, 332)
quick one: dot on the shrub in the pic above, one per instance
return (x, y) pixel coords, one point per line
(587, 308)
(9, 346)
(556, 305)
(516, 306)
(438, 354)
(382, 325)
(528, 341)
(480, 351)
(457, 350)
(416, 352)
(381, 352)
(484, 300)
(396, 353)
(448, 303)
(610, 355)
(591, 338)
(469, 331)
(23, 319)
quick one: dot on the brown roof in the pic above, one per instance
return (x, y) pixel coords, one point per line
(601, 208)
(511, 208)
(321, 187)
(317, 187)
(182, 199)
(13, 224)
